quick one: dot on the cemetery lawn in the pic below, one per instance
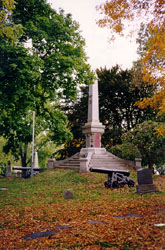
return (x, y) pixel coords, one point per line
(34, 214)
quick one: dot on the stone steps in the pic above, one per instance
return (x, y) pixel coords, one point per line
(101, 164)
(72, 163)
(106, 161)
(100, 161)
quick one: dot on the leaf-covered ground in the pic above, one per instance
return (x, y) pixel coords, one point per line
(34, 214)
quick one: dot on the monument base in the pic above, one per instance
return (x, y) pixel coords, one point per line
(146, 188)
(99, 151)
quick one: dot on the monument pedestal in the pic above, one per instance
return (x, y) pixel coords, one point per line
(93, 132)
(85, 151)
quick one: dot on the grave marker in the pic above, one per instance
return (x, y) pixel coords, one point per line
(145, 182)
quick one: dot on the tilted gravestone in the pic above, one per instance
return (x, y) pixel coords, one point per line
(145, 182)
(8, 170)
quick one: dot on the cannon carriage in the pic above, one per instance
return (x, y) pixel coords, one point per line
(116, 178)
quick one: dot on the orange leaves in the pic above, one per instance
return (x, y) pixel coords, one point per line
(121, 15)
(118, 12)
(156, 102)
(117, 233)
(153, 59)
(109, 222)
(160, 131)
(115, 12)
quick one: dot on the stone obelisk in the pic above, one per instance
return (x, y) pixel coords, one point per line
(92, 130)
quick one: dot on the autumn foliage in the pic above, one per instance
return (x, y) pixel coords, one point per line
(8, 30)
(125, 16)
(97, 218)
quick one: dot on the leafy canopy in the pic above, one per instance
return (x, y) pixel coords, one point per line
(39, 78)
(142, 141)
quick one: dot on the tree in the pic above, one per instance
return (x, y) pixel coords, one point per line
(117, 95)
(58, 42)
(142, 141)
(155, 101)
(37, 79)
(119, 15)
(3, 157)
(77, 116)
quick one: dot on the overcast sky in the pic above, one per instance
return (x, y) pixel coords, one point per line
(100, 52)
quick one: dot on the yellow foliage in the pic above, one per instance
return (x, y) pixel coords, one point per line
(118, 15)
(160, 131)
(6, 7)
(7, 29)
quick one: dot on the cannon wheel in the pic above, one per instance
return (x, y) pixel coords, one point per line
(130, 183)
(107, 184)
(115, 184)
(121, 185)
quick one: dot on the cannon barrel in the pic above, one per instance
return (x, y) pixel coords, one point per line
(110, 171)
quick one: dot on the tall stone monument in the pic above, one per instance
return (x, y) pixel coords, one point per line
(92, 130)
(92, 155)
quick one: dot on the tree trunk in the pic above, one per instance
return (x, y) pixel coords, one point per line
(23, 160)
(151, 164)
(23, 154)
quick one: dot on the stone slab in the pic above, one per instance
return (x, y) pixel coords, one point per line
(3, 189)
(146, 188)
(48, 233)
(160, 225)
(39, 234)
(160, 210)
(94, 222)
(128, 215)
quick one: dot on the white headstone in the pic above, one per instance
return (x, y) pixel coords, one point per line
(36, 160)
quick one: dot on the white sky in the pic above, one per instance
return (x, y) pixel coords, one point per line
(100, 52)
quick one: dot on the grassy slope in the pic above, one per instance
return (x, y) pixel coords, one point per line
(37, 204)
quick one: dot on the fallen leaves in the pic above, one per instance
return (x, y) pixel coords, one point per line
(115, 220)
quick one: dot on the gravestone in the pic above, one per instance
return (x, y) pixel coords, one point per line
(51, 163)
(144, 176)
(145, 182)
(8, 170)
(36, 165)
(68, 194)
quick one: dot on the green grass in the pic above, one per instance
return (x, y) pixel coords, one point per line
(48, 187)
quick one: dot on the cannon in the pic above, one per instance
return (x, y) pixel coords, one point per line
(116, 178)
(26, 171)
